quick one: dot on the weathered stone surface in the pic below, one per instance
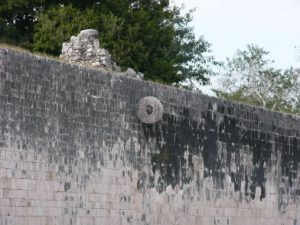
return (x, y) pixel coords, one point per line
(150, 110)
(85, 50)
(131, 73)
(73, 151)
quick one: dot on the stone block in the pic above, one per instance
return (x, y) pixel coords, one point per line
(76, 153)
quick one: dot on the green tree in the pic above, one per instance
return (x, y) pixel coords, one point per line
(250, 78)
(193, 62)
(55, 27)
(147, 35)
(18, 18)
(17, 21)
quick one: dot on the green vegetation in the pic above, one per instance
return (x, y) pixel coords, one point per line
(250, 78)
(152, 37)
(148, 35)
(23, 50)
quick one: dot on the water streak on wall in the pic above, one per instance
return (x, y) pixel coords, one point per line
(72, 151)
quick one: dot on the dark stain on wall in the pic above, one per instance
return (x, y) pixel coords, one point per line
(60, 109)
(180, 133)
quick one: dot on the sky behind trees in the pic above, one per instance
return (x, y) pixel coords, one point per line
(232, 24)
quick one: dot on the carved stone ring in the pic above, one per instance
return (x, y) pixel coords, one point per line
(150, 110)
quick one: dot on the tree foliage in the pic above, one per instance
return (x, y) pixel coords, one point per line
(57, 24)
(148, 35)
(250, 78)
(18, 17)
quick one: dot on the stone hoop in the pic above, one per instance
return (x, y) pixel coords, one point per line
(150, 110)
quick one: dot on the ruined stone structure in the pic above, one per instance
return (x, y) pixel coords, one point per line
(77, 147)
(85, 50)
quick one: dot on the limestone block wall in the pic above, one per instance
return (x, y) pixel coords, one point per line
(73, 152)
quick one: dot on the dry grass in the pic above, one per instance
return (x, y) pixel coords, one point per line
(23, 50)
(47, 56)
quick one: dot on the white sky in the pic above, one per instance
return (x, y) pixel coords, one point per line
(232, 24)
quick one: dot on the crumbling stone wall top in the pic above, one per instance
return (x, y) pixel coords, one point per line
(76, 148)
(85, 50)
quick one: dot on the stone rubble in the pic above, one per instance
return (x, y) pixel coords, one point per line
(85, 50)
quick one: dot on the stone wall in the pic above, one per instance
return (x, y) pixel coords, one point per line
(73, 152)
